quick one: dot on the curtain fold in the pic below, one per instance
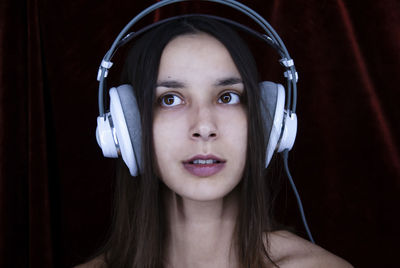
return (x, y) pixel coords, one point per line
(389, 142)
(13, 135)
(25, 211)
(40, 246)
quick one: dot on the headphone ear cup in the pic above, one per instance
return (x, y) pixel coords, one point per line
(126, 119)
(272, 110)
(105, 137)
(289, 132)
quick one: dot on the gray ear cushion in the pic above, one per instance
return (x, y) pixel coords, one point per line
(132, 118)
(269, 96)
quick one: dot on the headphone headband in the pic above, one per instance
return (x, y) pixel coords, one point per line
(262, 37)
(271, 35)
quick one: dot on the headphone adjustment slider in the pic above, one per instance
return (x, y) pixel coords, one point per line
(105, 65)
(289, 76)
(287, 62)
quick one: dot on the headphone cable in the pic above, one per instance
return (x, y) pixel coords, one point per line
(285, 156)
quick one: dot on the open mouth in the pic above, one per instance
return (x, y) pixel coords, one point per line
(204, 161)
(204, 166)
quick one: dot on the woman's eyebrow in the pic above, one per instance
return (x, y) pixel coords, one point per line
(229, 81)
(170, 84)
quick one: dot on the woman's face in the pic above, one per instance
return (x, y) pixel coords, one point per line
(200, 124)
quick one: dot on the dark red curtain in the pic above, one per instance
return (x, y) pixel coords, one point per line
(56, 188)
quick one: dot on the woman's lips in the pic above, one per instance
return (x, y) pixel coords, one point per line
(204, 165)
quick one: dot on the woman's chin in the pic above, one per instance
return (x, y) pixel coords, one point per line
(206, 190)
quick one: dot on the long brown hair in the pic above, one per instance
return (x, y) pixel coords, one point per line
(137, 237)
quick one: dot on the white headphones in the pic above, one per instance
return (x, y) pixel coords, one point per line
(119, 130)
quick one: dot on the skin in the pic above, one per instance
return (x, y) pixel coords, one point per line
(197, 71)
(192, 69)
(189, 120)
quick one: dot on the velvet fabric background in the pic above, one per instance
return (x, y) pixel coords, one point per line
(56, 188)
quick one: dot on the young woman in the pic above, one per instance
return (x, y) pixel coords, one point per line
(204, 198)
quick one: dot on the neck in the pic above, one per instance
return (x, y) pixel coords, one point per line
(201, 233)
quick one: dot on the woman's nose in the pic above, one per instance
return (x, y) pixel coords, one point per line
(204, 126)
(204, 133)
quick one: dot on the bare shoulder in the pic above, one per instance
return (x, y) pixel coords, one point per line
(97, 262)
(289, 250)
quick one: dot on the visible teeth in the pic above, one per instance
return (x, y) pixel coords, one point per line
(204, 162)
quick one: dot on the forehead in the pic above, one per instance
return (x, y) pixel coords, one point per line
(195, 55)
(199, 40)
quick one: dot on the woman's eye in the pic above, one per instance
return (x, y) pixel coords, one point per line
(229, 98)
(170, 100)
